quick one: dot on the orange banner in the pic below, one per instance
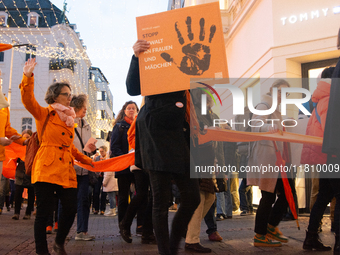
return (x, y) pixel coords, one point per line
(224, 135)
(111, 165)
(120, 163)
(184, 43)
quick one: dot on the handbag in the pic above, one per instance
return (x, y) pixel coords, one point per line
(33, 147)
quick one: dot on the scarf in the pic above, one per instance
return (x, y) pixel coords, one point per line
(128, 120)
(65, 113)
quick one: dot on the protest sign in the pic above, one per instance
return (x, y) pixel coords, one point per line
(184, 43)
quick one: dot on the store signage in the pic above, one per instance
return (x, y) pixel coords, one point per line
(324, 12)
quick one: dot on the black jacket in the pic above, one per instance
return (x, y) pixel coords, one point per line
(119, 144)
(331, 138)
(162, 135)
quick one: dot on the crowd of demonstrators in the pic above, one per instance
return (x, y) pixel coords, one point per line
(53, 170)
(99, 195)
(22, 180)
(162, 149)
(82, 135)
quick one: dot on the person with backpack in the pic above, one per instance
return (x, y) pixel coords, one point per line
(312, 155)
(83, 134)
(53, 169)
(268, 216)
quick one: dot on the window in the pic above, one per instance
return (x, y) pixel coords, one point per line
(33, 19)
(26, 124)
(101, 95)
(30, 52)
(101, 114)
(3, 19)
(2, 56)
(100, 134)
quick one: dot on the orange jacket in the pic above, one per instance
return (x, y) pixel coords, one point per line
(7, 131)
(54, 160)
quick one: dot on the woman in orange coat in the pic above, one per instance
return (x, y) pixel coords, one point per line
(52, 169)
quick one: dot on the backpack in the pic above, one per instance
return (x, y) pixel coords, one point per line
(244, 147)
(33, 147)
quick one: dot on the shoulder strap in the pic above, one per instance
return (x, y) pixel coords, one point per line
(317, 114)
(81, 140)
(44, 127)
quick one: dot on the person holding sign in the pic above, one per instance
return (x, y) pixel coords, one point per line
(162, 148)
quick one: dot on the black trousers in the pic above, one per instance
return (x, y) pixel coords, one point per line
(266, 213)
(45, 203)
(190, 199)
(19, 189)
(99, 196)
(124, 183)
(328, 188)
(141, 202)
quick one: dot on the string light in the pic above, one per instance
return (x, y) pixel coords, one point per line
(73, 63)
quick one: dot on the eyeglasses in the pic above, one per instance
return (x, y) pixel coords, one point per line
(66, 94)
(287, 94)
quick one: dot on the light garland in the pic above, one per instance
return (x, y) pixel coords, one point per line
(78, 56)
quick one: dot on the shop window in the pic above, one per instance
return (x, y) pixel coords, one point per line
(311, 71)
(26, 124)
(33, 19)
(2, 56)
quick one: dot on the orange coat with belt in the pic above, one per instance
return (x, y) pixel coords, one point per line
(54, 160)
(7, 131)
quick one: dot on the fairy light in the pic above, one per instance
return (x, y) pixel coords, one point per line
(77, 77)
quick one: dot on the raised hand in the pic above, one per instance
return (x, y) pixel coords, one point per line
(197, 55)
(29, 67)
(140, 46)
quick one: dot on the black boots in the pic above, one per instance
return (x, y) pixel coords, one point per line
(313, 241)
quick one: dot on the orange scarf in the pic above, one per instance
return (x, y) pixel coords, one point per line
(128, 120)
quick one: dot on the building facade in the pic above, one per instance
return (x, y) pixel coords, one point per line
(59, 52)
(270, 39)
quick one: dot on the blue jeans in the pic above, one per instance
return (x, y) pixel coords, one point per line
(112, 199)
(4, 189)
(223, 202)
(83, 208)
(246, 196)
(210, 219)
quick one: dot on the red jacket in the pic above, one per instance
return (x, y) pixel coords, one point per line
(311, 154)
